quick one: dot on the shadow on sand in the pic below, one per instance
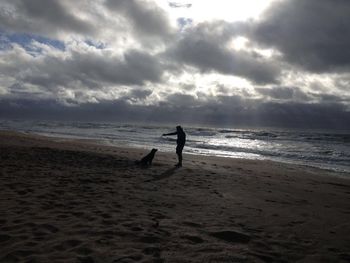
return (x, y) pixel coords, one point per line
(164, 175)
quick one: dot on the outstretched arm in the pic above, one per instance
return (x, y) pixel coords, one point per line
(172, 133)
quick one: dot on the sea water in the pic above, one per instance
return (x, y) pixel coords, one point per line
(323, 149)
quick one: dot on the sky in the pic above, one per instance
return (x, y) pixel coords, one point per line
(261, 63)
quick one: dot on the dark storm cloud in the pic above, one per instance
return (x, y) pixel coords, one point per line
(181, 100)
(147, 19)
(205, 47)
(49, 17)
(186, 86)
(137, 95)
(295, 94)
(284, 93)
(313, 34)
(277, 93)
(135, 68)
(226, 110)
(304, 115)
(91, 70)
(140, 93)
(328, 98)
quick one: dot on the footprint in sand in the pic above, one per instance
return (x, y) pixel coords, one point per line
(150, 239)
(193, 239)
(22, 192)
(67, 244)
(78, 214)
(83, 251)
(86, 260)
(22, 253)
(296, 222)
(231, 236)
(4, 238)
(50, 228)
(136, 229)
(151, 251)
(31, 244)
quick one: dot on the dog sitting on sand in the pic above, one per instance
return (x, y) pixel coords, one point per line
(147, 160)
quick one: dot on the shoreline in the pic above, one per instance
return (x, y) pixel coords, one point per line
(75, 201)
(329, 171)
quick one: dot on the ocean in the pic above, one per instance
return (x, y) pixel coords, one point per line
(323, 149)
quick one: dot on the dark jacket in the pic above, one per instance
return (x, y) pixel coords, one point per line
(181, 136)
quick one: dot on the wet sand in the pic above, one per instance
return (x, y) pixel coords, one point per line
(75, 201)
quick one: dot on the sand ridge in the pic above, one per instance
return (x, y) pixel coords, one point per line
(65, 201)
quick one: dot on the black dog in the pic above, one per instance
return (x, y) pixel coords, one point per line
(147, 160)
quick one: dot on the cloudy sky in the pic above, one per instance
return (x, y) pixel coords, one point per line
(282, 63)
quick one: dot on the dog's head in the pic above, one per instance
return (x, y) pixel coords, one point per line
(154, 150)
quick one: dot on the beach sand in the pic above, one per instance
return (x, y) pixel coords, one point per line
(76, 201)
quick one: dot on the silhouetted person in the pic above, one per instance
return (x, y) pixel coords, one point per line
(181, 140)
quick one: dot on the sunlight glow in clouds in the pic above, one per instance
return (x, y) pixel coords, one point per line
(272, 57)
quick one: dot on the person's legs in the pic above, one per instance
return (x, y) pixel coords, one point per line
(179, 154)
